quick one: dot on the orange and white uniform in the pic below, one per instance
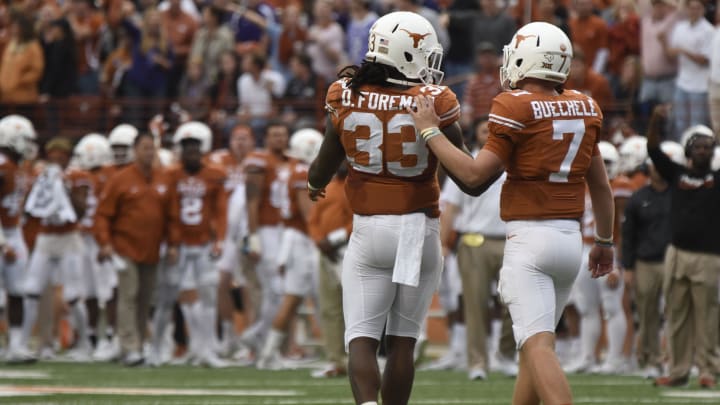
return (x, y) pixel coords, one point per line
(298, 253)
(546, 144)
(198, 217)
(100, 278)
(230, 262)
(394, 252)
(12, 195)
(273, 197)
(59, 248)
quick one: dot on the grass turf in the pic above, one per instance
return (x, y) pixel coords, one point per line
(247, 386)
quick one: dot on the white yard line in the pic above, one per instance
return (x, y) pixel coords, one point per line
(52, 390)
(24, 374)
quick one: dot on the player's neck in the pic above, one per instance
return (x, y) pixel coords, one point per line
(540, 88)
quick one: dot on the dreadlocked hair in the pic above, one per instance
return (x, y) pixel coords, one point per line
(366, 73)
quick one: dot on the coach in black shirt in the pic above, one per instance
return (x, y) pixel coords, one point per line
(645, 237)
(693, 257)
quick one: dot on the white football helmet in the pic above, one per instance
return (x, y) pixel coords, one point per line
(18, 134)
(92, 151)
(715, 164)
(633, 153)
(123, 136)
(695, 130)
(611, 157)
(675, 151)
(539, 50)
(407, 42)
(305, 144)
(194, 130)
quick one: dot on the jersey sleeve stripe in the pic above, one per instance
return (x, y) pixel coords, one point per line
(450, 113)
(507, 120)
(507, 124)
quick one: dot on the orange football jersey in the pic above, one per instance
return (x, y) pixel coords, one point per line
(546, 144)
(234, 170)
(273, 195)
(12, 192)
(74, 179)
(292, 217)
(198, 206)
(391, 170)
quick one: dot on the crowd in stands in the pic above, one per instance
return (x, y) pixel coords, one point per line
(217, 61)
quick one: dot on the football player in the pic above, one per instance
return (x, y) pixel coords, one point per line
(298, 256)
(267, 173)
(197, 225)
(14, 133)
(546, 138)
(93, 154)
(393, 261)
(59, 199)
(231, 267)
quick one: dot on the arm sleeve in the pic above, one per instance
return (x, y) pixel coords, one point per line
(106, 210)
(668, 169)
(504, 127)
(629, 231)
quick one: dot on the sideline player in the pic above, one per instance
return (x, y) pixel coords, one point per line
(546, 138)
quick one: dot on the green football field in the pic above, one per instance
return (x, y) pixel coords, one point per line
(66, 383)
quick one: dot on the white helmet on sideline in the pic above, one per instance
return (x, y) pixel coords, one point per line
(305, 144)
(633, 153)
(18, 134)
(674, 151)
(611, 157)
(408, 42)
(539, 50)
(93, 151)
(194, 130)
(121, 140)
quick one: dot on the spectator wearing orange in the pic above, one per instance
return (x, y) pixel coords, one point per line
(86, 24)
(292, 35)
(22, 63)
(590, 33)
(130, 225)
(179, 28)
(623, 39)
(585, 79)
(483, 85)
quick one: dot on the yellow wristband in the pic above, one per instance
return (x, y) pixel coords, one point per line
(429, 133)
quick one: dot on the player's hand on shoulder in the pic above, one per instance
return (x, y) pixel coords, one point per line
(424, 113)
(601, 260)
